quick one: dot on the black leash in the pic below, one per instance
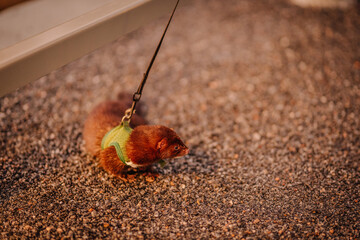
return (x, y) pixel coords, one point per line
(137, 95)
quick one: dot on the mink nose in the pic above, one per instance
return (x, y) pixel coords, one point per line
(186, 151)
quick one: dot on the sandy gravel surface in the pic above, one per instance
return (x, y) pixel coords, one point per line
(266, 95)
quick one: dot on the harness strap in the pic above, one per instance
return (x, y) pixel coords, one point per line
(118, 151)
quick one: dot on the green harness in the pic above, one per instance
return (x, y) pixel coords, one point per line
(118, 137)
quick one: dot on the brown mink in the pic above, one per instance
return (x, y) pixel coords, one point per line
(145, 145)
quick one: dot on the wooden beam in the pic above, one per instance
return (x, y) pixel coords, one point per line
(32, 58)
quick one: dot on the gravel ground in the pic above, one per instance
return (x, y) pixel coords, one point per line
(266, 95)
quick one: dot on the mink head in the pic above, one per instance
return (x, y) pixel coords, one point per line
(149, 144)
(170, 144)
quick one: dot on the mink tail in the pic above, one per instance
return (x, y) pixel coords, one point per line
(106, 116)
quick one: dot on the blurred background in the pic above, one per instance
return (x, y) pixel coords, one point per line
(265, 93)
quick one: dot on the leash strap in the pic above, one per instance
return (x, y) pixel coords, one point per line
(137, 95)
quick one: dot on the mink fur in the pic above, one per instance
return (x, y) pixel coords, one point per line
(146, 144)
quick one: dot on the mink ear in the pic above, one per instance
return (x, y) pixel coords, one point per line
(162, 144)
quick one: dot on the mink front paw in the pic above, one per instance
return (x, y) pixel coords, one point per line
(147, 173)
(127, 177)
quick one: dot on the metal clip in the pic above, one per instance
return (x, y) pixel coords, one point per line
(127, 117)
